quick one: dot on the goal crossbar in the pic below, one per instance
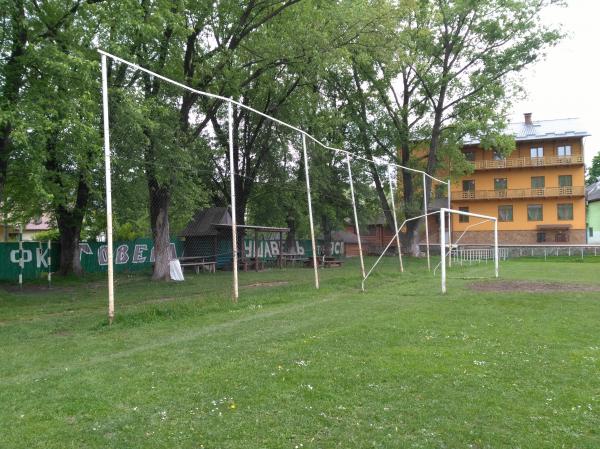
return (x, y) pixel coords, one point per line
(276, 120)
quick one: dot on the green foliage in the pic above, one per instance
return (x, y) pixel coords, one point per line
(593, 174)
(43, 236)
(377, 78)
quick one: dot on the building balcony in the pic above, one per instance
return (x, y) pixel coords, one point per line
(509, 194)
(524, 162)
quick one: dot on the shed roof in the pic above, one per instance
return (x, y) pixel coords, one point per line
(344, 236)
(592, 192)
(204, 220)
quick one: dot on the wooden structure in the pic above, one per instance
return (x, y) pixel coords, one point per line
(207, 242)
(254, 260)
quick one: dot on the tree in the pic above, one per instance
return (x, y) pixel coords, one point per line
(449, 72)
(594, 171)
(53, 144)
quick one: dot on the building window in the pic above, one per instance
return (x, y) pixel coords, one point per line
(561, 237)
(498, 156)
(463, 218)
(538, 182)
(591, 231)
(470, 156)
(537, 152)
(565, 211)
(468, 185)
(535, 212)
(500, 183)
(505, 213)
(565, 181)
(564, 150)
(541, 237)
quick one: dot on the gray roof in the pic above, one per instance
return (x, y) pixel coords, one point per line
(542, 130)
(344, 236)
(203, 221)
(592, 192)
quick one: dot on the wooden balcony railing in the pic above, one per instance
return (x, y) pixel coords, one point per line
(546, 192)
(518, 162)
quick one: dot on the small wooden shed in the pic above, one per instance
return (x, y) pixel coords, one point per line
(203, 239)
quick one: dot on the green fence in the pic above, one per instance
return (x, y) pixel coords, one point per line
(37, 260)
(129, 256)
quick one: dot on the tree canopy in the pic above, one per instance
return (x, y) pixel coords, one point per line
(404, 81)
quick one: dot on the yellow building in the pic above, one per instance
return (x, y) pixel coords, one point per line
(537, 192)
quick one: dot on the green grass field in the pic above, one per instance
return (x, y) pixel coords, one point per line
(398, 366)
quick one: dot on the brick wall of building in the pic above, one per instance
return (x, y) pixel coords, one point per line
(576, 237)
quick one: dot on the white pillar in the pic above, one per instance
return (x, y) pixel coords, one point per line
(443, 247)
(426, 221)
(449, 223)
(396, 221)
(234, 243)
(49, 263)
(360, 253)
(21, 258)
(109, 229)
(496, 247)
(310, 214)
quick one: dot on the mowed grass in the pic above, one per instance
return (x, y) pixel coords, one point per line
(398, 366)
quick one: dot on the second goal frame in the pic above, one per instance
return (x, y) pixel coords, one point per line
(443, 212)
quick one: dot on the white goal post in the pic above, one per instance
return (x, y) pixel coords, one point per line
(231, 105)
(444, 244)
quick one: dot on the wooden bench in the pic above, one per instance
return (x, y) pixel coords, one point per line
(293, 259)
(330, 262)
(199, 262)
(325, 262)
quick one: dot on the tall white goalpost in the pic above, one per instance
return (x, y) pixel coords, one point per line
(231, 103)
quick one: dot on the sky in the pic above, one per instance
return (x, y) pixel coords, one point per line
(566, 83)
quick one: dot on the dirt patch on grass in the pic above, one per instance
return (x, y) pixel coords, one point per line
(266, 284)
(532, 287)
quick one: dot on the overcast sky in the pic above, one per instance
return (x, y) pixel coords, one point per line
(567, 82)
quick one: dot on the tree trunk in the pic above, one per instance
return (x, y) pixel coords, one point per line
(387, 210)
(326, 229)
(69, 227)
(290, 239)
(412, 238)
(160, 199)
(69, 223)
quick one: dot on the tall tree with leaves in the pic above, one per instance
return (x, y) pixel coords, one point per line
(55, 122)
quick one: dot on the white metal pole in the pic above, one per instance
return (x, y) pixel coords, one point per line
(443, 247)
(356, 226)
(496, 247)
(425, 207)
(49, 262)
(449, 223)
(109, 228)
(310, 214)
(234, 243)
(21, 258)
(396, 221)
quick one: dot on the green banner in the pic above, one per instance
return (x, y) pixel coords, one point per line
(34, 259)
